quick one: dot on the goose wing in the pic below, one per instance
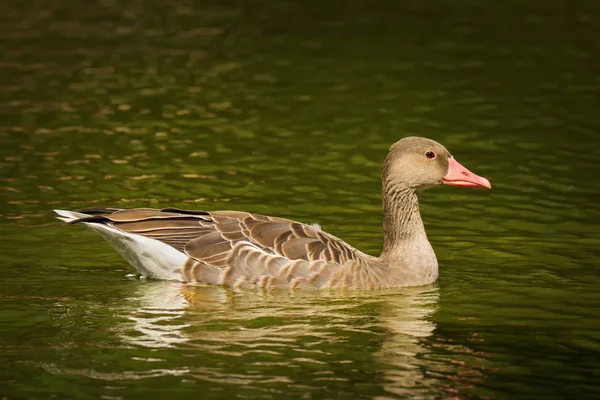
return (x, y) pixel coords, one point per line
(233, 247)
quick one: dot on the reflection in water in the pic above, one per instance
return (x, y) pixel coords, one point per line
(157, 322)
(408, 319)
(271, 333)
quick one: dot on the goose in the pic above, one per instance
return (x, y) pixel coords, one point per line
(246, 250)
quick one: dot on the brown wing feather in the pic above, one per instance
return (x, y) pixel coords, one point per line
(209, 237)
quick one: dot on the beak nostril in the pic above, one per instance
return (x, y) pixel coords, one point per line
(465, 173)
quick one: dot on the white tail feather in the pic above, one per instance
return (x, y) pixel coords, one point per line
(68, 216)
(149, 257)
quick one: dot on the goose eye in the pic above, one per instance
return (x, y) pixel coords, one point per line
(430, 154)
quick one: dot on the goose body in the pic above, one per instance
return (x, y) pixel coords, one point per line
(246, 250)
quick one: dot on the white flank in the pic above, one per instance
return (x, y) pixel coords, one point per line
(149, 257)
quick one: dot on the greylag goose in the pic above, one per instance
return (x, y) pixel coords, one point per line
(246, 250)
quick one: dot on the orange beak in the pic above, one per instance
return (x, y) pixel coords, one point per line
(460, 176)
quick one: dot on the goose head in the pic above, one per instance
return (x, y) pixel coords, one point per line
(419, 163)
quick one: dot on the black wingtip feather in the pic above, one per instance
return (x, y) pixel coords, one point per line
(187, 212)
(99, 210)
(93, 218)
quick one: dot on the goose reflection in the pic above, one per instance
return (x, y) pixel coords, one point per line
(305, 339)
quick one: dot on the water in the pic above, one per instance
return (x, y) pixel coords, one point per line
(288, 108)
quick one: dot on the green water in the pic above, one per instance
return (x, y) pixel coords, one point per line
(287, 108)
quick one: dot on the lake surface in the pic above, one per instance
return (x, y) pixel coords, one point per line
(288, 108)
